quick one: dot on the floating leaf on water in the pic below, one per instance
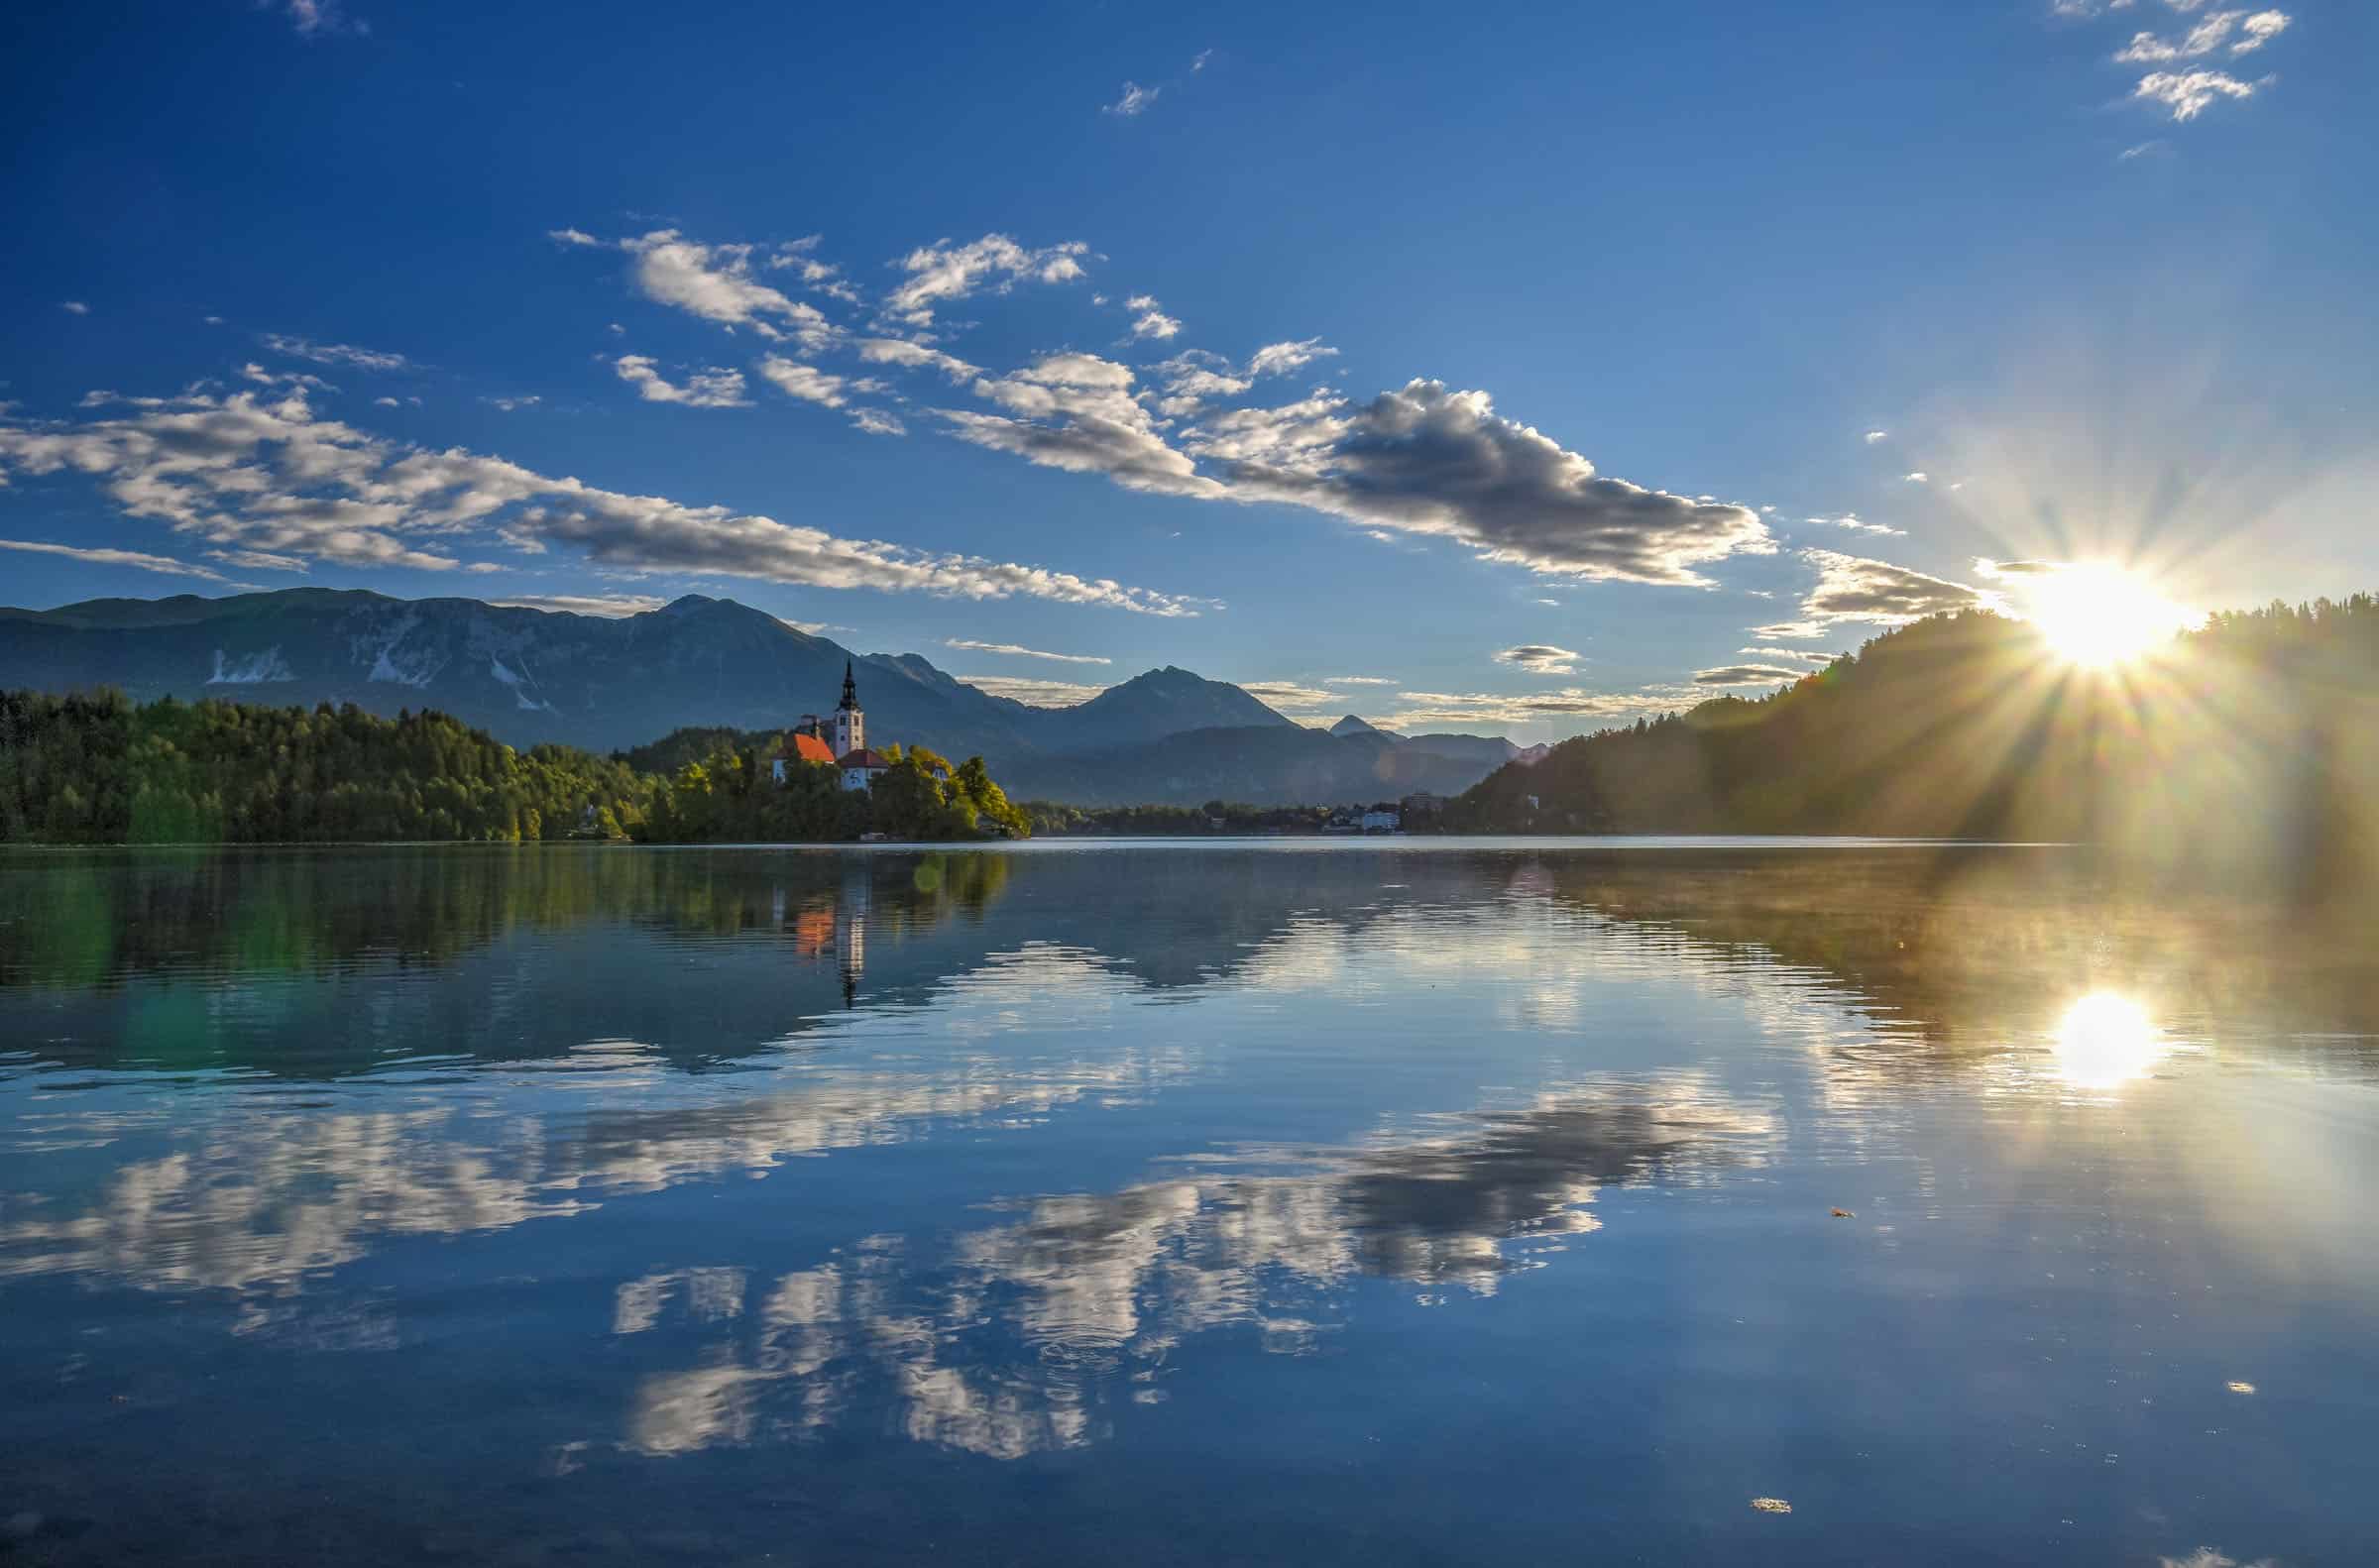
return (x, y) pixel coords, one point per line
(2236, 1386)
(1771, 1504)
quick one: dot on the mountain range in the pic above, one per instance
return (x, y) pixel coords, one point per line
(528, 675)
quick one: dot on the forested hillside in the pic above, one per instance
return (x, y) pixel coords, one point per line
(2256, 735)
(99, 769)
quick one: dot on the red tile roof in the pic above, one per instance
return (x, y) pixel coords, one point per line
(863, 758)
(807, 748)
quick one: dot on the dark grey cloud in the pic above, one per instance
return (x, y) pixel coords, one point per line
(1424, 459)
(1748, 675)
(1540, 658)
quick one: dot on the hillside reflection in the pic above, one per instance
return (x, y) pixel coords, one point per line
(1890, 969)
(259, 1198)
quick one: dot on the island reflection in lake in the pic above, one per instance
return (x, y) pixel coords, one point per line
(1417, 1202)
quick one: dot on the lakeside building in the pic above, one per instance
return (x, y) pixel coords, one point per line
(840, 741)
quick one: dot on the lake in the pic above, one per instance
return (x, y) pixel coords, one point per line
(1397, 1201)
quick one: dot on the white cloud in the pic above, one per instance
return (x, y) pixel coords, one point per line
(714, 387)
(811, 384)
(612, 607)
(1920, 477)
(1152, 321)
(1014, 650)
(1193, 376)
(571, 237)
(310, 17)
(74, 307)
(1290, 696)
(1030, 692)
(716, 284)
(385, 402)
(1873, 436)
(1198, 63)
(335, 352)
(944, 273)
(875, 421)
(1772, 656)
(2155, 144)
(2260, 29)
(912, 356)
(1358, 680)
(2187, 94)
(257, 560)
(1278, 359)
(1421, 710)
(102, 556)
(1853, 521)
(514, 404)
(241, 472)
(1135, 100)
(1540, 658)
(2206, 37)
(2146, 49)
(1856, 589)
(264, 378)
(1101, 428)
(824, 277)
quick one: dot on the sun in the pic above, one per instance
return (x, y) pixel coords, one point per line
(2098, 616)
(2104, 1041)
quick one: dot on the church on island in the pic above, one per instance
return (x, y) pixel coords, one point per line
(840, 740)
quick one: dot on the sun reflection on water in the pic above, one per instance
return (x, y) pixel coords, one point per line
(2105, 1041)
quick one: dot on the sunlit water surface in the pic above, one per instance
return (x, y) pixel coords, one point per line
(1435, 1203)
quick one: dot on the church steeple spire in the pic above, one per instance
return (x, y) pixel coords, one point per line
(850, 728)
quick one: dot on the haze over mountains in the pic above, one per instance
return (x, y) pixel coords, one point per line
(530, 675)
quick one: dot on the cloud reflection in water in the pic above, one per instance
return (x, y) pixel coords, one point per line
(1008, 1346)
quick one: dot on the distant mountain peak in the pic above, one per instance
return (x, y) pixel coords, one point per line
(705, 664)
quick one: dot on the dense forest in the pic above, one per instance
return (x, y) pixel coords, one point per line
(2255, 738)
(99, 769)
(96, 769)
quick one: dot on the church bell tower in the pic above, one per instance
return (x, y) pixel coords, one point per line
(851, 728)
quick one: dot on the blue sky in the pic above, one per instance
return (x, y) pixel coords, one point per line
(1297, 346)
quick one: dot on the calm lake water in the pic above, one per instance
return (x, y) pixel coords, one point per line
(1396, 1202)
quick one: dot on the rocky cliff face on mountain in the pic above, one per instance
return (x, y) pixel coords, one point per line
(530, 676)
